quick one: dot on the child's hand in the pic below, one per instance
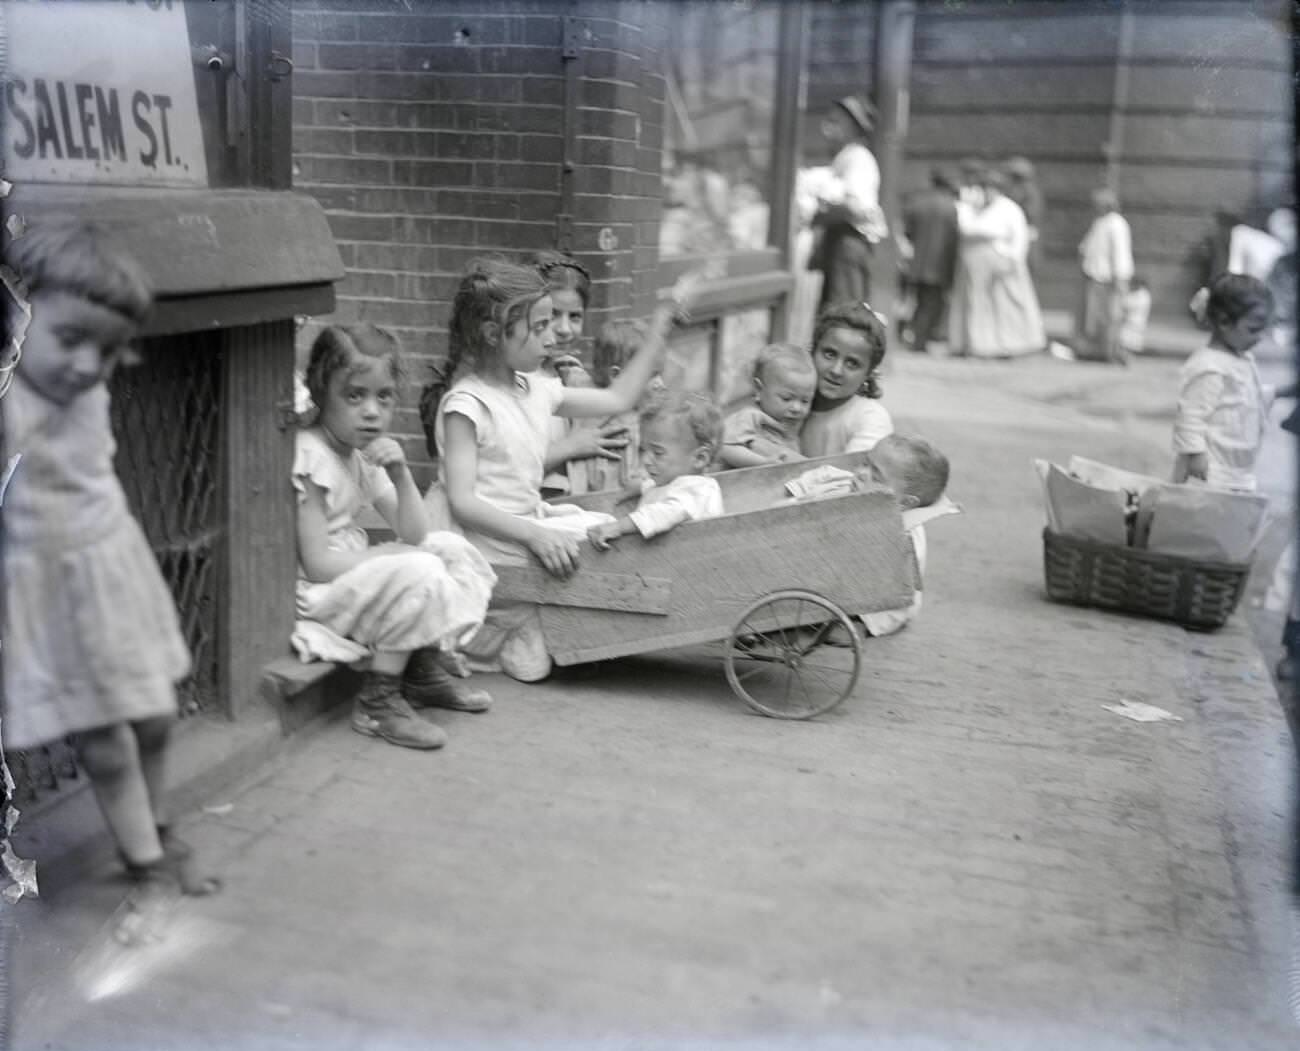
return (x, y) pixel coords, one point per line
(558, 552)
(606, 441)
(386, 453)
(686, 291)
(570, 371)
(601, 535)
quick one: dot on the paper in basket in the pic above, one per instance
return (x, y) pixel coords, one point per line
(1077, 509)
(1204, 524)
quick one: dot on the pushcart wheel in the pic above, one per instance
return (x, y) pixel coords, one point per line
(779, 660)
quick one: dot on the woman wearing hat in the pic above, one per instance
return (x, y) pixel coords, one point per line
(1022, 187)
(848, 212)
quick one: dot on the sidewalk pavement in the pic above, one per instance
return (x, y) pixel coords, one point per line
(1165, 337)
(970, 852)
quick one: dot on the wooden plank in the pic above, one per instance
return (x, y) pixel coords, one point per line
(588, 588)
(1001, 135)
(988, 88)
(1196, 137)
(203, 242)
(978, 36)
(1210, 40)
(259, 560)
(1211, 89)
(287, 676)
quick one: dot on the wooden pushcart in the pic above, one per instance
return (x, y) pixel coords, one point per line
(774, 583)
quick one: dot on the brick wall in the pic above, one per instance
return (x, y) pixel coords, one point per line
(433, 132)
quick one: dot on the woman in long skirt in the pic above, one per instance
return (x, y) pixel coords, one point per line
(994, 311)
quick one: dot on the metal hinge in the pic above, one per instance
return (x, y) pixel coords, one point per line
(572, 37)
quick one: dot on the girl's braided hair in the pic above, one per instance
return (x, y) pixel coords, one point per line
(861, 317)
(339, 346)
(493, 292)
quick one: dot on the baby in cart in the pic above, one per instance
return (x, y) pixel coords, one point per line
(917, 474)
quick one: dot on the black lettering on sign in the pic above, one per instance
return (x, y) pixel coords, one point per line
(27, 144)
(65, 118)
(110, 124)
(46, 135)
(163, 103)
(150, 159)
(84, 93)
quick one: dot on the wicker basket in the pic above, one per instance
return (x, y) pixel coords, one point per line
(1194, 594)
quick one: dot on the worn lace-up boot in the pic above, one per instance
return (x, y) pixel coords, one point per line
(380, 710)
(427, 684)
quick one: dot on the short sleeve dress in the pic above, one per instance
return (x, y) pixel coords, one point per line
(434, 596)
(511, 429)
(855, 425)
(91, 635)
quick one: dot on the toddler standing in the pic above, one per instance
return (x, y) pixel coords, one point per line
(92, 644)
(399, 603)
(679, 439)
(1106, 258)
(768, 431)
(846, 417)
(1222, 403)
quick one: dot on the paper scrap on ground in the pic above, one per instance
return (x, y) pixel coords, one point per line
(1142, 713)
(219, 808)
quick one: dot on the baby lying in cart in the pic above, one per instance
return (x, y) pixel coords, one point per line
(917, 474)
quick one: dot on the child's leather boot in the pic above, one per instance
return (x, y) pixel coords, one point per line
(427, 684)
(380, 710)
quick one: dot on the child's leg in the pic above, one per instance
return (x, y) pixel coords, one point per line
(152, 737)
(427, 683)
(111, 758)
(151, 743)
(380, 709)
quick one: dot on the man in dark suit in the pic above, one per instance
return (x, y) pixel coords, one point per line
(930, 225)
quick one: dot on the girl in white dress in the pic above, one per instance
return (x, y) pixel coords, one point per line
(403, 602)
(847, 415)
(491, 430)
(92, 644)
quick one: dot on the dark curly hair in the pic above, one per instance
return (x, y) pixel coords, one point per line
(339, 347)
(859, 316)
(561, 271)
(1233, 296)
(492, 292)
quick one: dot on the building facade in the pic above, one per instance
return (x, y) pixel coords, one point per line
(1184, 106)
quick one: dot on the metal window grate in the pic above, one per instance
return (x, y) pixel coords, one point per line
(166, 419)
